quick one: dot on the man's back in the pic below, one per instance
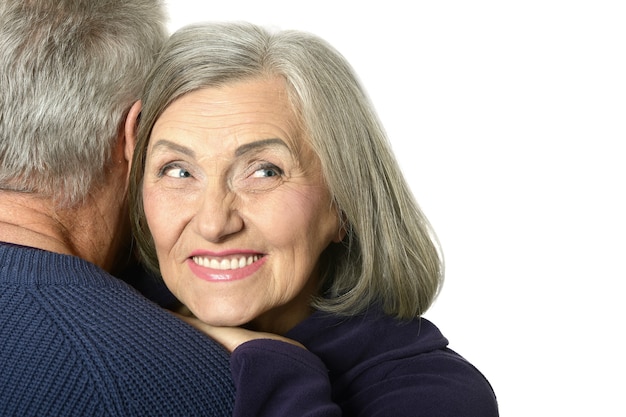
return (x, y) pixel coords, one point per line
(74, 341)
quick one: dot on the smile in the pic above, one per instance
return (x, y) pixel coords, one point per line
(225, 264)
(225, 268)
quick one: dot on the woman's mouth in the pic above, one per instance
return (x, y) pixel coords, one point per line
(225, 268)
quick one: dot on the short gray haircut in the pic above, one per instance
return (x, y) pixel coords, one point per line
(390, 256)
(69, 72)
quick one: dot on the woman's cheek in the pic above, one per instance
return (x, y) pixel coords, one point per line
(158, 216)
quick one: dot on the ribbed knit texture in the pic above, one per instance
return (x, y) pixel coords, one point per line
(75, 341)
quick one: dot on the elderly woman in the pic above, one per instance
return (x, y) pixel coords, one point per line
(266, 194)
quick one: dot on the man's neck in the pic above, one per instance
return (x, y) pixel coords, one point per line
(83, 231)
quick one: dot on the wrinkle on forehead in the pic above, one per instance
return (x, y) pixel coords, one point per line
(262, 102)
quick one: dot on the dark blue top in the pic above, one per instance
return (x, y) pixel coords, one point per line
(75, 341)
(368, 365)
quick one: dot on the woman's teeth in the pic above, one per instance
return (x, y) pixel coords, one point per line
(223, 264)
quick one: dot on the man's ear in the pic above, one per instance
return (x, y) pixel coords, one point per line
(130, 130)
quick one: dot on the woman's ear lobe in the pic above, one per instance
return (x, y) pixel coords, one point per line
(130, 129)
(343, 228)
(340, 235)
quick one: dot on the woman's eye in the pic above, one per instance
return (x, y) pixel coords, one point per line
(267, 171)
(175, 172)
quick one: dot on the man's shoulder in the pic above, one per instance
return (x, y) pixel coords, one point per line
(97, 334)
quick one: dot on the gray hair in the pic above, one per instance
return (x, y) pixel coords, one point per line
(390, 256)
(69, 72)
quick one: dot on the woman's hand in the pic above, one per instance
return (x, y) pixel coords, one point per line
(232, 337)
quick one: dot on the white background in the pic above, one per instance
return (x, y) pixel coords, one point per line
(509, 120)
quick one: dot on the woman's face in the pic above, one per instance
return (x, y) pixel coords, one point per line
(235, 200)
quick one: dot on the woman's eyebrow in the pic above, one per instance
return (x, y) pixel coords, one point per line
(265, 143)
(163, 143)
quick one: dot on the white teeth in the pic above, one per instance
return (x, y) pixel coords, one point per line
(225, 264)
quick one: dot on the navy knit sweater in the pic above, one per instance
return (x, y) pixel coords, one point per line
(75, 341)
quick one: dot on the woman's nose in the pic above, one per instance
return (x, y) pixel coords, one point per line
(218, 218)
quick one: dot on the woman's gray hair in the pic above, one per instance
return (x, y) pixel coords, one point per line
(69, 72)
(390, 256)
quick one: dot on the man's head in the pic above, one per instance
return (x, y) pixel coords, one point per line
(69, 72)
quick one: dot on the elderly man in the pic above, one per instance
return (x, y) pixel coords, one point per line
(74, 340)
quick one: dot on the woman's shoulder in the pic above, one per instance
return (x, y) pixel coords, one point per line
(375, 355)
(372, 330)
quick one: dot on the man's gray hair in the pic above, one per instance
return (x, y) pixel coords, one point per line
(69, 72)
